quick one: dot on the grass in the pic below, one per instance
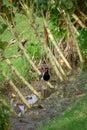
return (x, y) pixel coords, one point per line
(73, 119)
(24, 30)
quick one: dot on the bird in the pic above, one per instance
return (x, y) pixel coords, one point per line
(46, 75)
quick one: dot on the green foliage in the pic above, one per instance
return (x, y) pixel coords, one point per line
(3, 27)
(66, 5)
(34, 49)
(7, 13)
(4, 118)
(4, 114)
(6, 3)
(42, 4)
(83, 42)
(3, 44)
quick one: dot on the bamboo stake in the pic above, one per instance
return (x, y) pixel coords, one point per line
(74, 37)
(53, 63)
(56, 62)
(80, 11)
(55, 44)
(22, 78)
(78, 20)
(18, 92)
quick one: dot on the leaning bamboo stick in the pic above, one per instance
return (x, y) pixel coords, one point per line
(74, 37)
(53, 63)
(22, 78)
(55, 44)
(56, 62)
(19, 94)
(78, 20)
(17, 91)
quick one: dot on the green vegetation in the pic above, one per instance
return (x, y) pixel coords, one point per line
(4, 113)
(43, 21)
(33, 48)
(73, 119)
(83, 42)
(23, 30)
(4, 118)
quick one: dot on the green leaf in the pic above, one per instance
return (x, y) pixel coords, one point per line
(3, 27)
(3, 44)
(7, 12)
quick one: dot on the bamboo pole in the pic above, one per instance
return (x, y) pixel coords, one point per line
(22, 78)
(56, 47)
(56, 62)
(53, 63)
(78, 20)
(18, 92)
(71, 27)
(80, 11)
(74, 37)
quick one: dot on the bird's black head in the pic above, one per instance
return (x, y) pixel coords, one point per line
(46, 69)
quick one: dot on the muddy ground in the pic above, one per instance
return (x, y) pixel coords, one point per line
(55, 102)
